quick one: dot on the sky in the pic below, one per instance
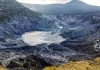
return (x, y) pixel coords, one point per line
(43, 1)
(91, 2)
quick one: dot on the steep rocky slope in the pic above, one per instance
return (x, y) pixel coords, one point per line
(80, 31)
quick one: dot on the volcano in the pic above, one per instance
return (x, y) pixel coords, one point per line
(27, 38)
(74, 6)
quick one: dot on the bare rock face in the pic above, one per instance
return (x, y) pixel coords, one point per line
(12, 9)
(27, 63)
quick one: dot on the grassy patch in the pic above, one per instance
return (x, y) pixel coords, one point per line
(79, 65)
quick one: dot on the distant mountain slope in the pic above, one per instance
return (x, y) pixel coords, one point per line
(11, 8)
(74, 6)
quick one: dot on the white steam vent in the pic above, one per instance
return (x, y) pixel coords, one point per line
(37, 37)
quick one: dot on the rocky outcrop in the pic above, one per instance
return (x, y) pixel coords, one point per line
(27, 63)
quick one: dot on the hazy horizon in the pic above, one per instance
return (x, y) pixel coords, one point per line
(91, 2)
